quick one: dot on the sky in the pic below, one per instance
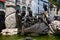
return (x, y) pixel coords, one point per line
(34, 6)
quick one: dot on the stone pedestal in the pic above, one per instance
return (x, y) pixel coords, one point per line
(10, 18)
(7, 31)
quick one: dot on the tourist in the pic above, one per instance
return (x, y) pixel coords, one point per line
(2, 4)
(2, 15)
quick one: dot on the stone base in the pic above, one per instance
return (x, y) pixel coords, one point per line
(9, 31)
(55, 27)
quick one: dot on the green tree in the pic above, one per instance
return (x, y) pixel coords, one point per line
(57, 3)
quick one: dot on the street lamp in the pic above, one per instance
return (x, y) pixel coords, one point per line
(38, 6)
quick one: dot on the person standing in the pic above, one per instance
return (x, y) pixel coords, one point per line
(45, 7)
(2, 15)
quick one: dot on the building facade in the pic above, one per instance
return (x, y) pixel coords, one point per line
(24, 4)
(35, 6)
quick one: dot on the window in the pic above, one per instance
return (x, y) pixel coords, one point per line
(18, 1)
(17, 7)
(23, 8)
(24, 1)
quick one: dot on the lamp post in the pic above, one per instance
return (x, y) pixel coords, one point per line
(38, 6)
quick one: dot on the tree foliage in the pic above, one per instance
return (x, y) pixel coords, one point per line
(55, 2)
